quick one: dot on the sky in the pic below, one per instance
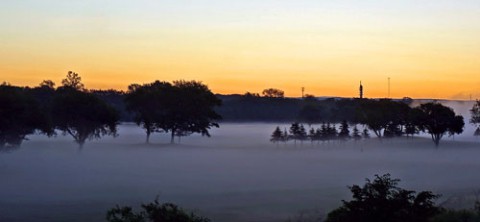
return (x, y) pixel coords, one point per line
(428, 48)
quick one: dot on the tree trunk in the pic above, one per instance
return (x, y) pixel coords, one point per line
(436, 139)
(80, 145)
(147, 141)
(172, 139)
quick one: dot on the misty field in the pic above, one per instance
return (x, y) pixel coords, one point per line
(237, 175)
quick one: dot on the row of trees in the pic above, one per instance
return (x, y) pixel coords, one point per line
(389, 119)
(69, 109)
(325, 132)
(386, 118)
(181, 108)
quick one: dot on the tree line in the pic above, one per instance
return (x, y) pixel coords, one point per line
(326, 132)
(179, 108)
(384, 117)
(185, 107)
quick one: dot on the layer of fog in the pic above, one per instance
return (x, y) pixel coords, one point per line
(237, 175)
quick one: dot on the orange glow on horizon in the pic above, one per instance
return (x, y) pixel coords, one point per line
(324, 47)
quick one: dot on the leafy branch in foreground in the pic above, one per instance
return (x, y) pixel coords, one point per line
(153, 212)
(381, 200)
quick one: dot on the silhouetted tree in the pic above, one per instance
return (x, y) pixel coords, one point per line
(277, 135)
(318, 135)
(382, 114)
(324, 132)
(295, 131)
(365, 133)
(73, 80)
(381, 200)
(437, 120)
(302, 133)
(249, 94)
(344, 131)
(179, 133)
(411, 124)
(153, 212)
(149, 104)
(312, 135)
(20, 115)
(82, 115)
(332, 132)
(475, 119)
(392, 130)
(49, 84)
(410, 129)
(285, 136)
(273, 93)
(185, 106)
(191, 109)
(356, 133)
(44, 95)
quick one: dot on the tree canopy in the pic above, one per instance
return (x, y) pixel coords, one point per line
(475, 119)
(180, 108)
(382, 116)
(381, 200)
(438, 120)
(271, 92)
(82, 115)
(20, 115)
(73, 80)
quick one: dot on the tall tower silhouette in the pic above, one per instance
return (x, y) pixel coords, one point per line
(361, 90)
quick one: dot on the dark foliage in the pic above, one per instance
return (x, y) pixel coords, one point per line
(383, 115)
(344, 131)
(356, 133)
(73, 80)
(277, 135)
(181, 109)
(82, 115)
(271, 92)
(438, 120)
(20, 115)
(148, 103)
(153, 212)
(381, 200)
(475, 119)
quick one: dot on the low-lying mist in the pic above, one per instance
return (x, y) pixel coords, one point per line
(236, 175)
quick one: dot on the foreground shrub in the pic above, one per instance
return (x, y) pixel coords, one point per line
(381, 200)
(153, 212)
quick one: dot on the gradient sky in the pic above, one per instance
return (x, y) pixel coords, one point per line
(429, 48)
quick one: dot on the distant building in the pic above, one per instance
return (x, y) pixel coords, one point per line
(361, 90)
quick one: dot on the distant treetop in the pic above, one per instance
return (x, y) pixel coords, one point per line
(277, 93)
(73, 80)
